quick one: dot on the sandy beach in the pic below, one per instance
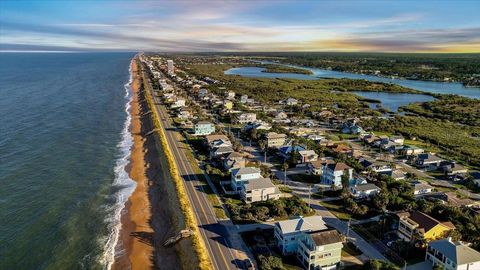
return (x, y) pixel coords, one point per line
(136, 215)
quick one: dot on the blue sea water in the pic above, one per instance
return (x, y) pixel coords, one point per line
(64, 145)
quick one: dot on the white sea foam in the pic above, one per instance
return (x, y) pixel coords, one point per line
(122, 180)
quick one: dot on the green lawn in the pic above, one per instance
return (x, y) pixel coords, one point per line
(336, 208)
(305, 178)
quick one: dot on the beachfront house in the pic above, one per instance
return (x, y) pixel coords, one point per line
(320, 250)
(241, 175)
(258, 190)
(246, 118)
(307, 156)
(203, 128)
(288, 232)
(452, 255)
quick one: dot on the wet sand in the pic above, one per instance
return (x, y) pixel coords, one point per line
(147, 219)
(133, 239)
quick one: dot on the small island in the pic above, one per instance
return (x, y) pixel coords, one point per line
(285, 69)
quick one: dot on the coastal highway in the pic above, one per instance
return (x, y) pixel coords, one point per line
(214, 234)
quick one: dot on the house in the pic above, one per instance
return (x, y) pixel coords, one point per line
(202, 92)
(184, 115)
(219, 151)
(233, 160)
(244, 99)
(342, 149)
(420, 226)
(258, 125)
(275, 140)
(376, 166)
(333, 174)
(317, 167)
(178, 103)
(307, 156)
(351, 127)
(291, 101)
(398, 175)
(364, 190)
(452, 168)
(320, 250)
(229, 95)
(281, 116)
(411, 150)
(211, 139)
(227, 105)
(381, 140)
(475, 176)
(397, 139)
(452, 255)
(246, 118)
(258, 190)
(421, 188)
(289, 232)
(285, 151)
(241, 175)
(428, 161)
(203, 128)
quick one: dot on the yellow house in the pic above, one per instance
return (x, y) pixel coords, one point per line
(228, 105)
(420, 226)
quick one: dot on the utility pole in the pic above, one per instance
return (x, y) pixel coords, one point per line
(309, 194)
(348, 229)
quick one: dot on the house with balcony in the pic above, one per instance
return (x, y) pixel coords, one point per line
(333, 174)
(376, 166)
(317, 167)
(418, 226)
(452, 255)
(259, 190)
(246, 118)
(320, 250)
(307, 156)
(275, 140)
(242, 175)
(289, 232)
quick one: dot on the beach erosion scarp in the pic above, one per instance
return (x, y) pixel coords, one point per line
(151, 214)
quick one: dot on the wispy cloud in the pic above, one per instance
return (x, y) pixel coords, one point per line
(245, 26)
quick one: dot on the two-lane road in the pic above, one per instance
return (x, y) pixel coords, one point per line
(214, 234)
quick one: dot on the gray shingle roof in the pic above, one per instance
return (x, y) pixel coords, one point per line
(246, 170)
(259, 183)
(455, 251)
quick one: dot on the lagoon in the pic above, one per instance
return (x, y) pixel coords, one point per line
(426, 86)
(392, 101)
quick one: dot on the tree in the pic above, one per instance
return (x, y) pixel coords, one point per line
(345, 179)
(294, 156)
(270, 263)
(263, 146)
(381, 200)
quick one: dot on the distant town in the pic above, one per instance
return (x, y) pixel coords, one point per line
(302, 181)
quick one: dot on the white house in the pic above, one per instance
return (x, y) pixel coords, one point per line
(320, 250)
(317, 167)
(241, 175)
(257, 190)
(180, 102)
(246, 118)
(364, 190)
(421, 188)
(452, 255)
(333, 174)
(308, 156)
(230, 95)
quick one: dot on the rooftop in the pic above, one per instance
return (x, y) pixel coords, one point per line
(456, 251)
(259, 183)
(303, 224)
(364, 187)
(326, 237)
(246, 170)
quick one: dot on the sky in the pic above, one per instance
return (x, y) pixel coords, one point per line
(348, 26)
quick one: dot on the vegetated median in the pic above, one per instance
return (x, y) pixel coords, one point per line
(198, 244)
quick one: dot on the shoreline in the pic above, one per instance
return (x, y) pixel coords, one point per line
(133, 251)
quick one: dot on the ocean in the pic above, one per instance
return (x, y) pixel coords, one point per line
(64, 147)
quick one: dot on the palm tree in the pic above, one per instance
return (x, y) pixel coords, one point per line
(263, 145)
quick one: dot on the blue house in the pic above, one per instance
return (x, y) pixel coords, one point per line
(285, 151)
